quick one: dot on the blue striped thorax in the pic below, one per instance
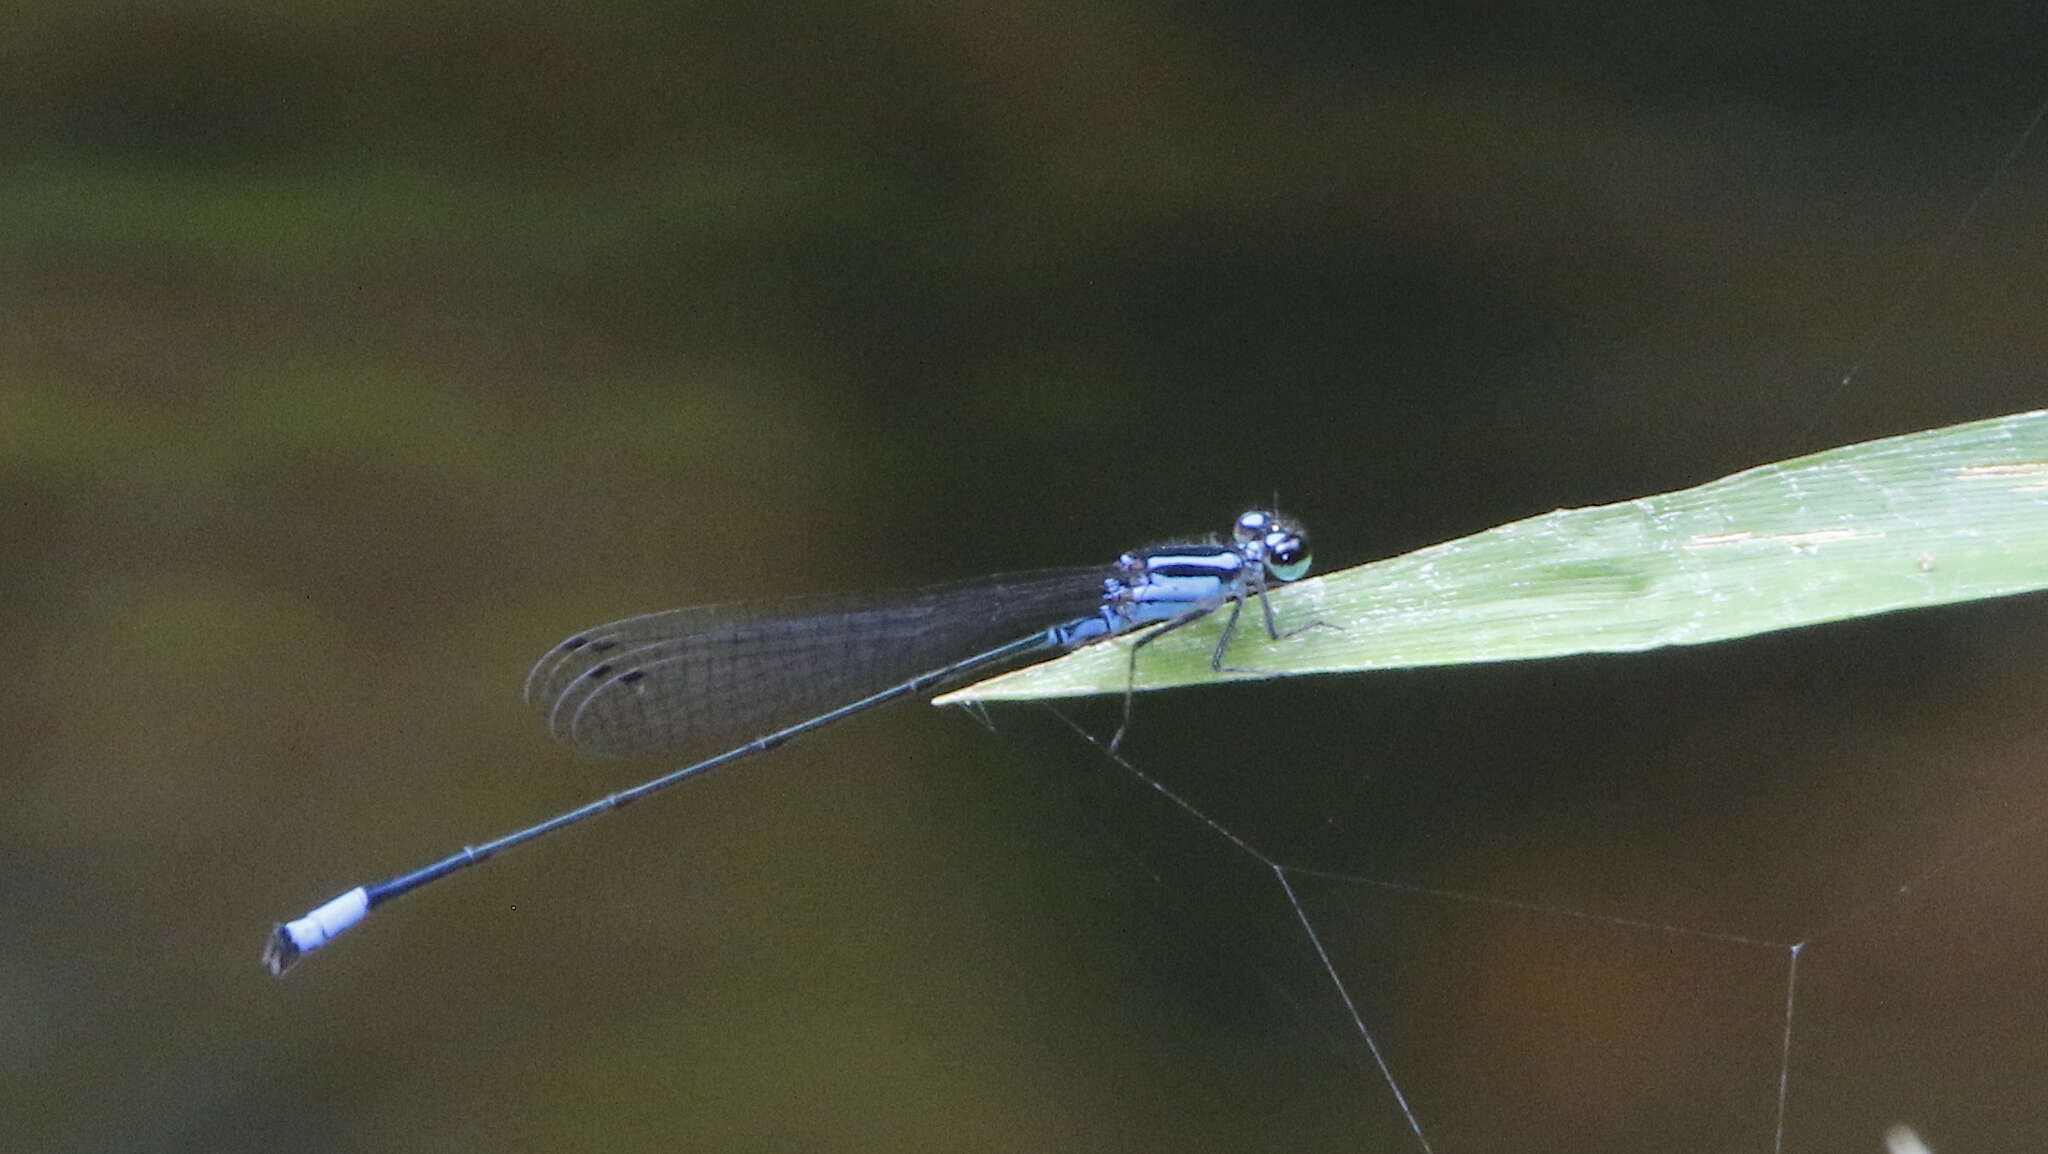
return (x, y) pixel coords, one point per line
(1175, 580)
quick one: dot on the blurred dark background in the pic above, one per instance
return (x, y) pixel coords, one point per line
(350, 355)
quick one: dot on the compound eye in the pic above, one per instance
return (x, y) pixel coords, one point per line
(1252, 526)
(1287, 556)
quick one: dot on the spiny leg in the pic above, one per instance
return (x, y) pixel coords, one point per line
(1230, 630)
(1266, 603)
(1272, 630)
(1131, 672)
(1273, 623)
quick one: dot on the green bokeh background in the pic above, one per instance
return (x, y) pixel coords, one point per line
(351, 354)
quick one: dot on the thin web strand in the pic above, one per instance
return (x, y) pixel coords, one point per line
(1785, 1048)
(1916, 289)
(1893, 896)
(1301, 914)
(1351, 1007)
(1794, 950)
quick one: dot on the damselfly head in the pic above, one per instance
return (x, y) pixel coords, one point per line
(1273, 541)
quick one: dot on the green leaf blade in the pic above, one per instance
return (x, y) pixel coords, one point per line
(1930, 518)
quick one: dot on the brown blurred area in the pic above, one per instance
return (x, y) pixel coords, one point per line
(350, 355)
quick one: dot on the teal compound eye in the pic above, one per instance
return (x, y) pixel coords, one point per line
(1287, 554)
